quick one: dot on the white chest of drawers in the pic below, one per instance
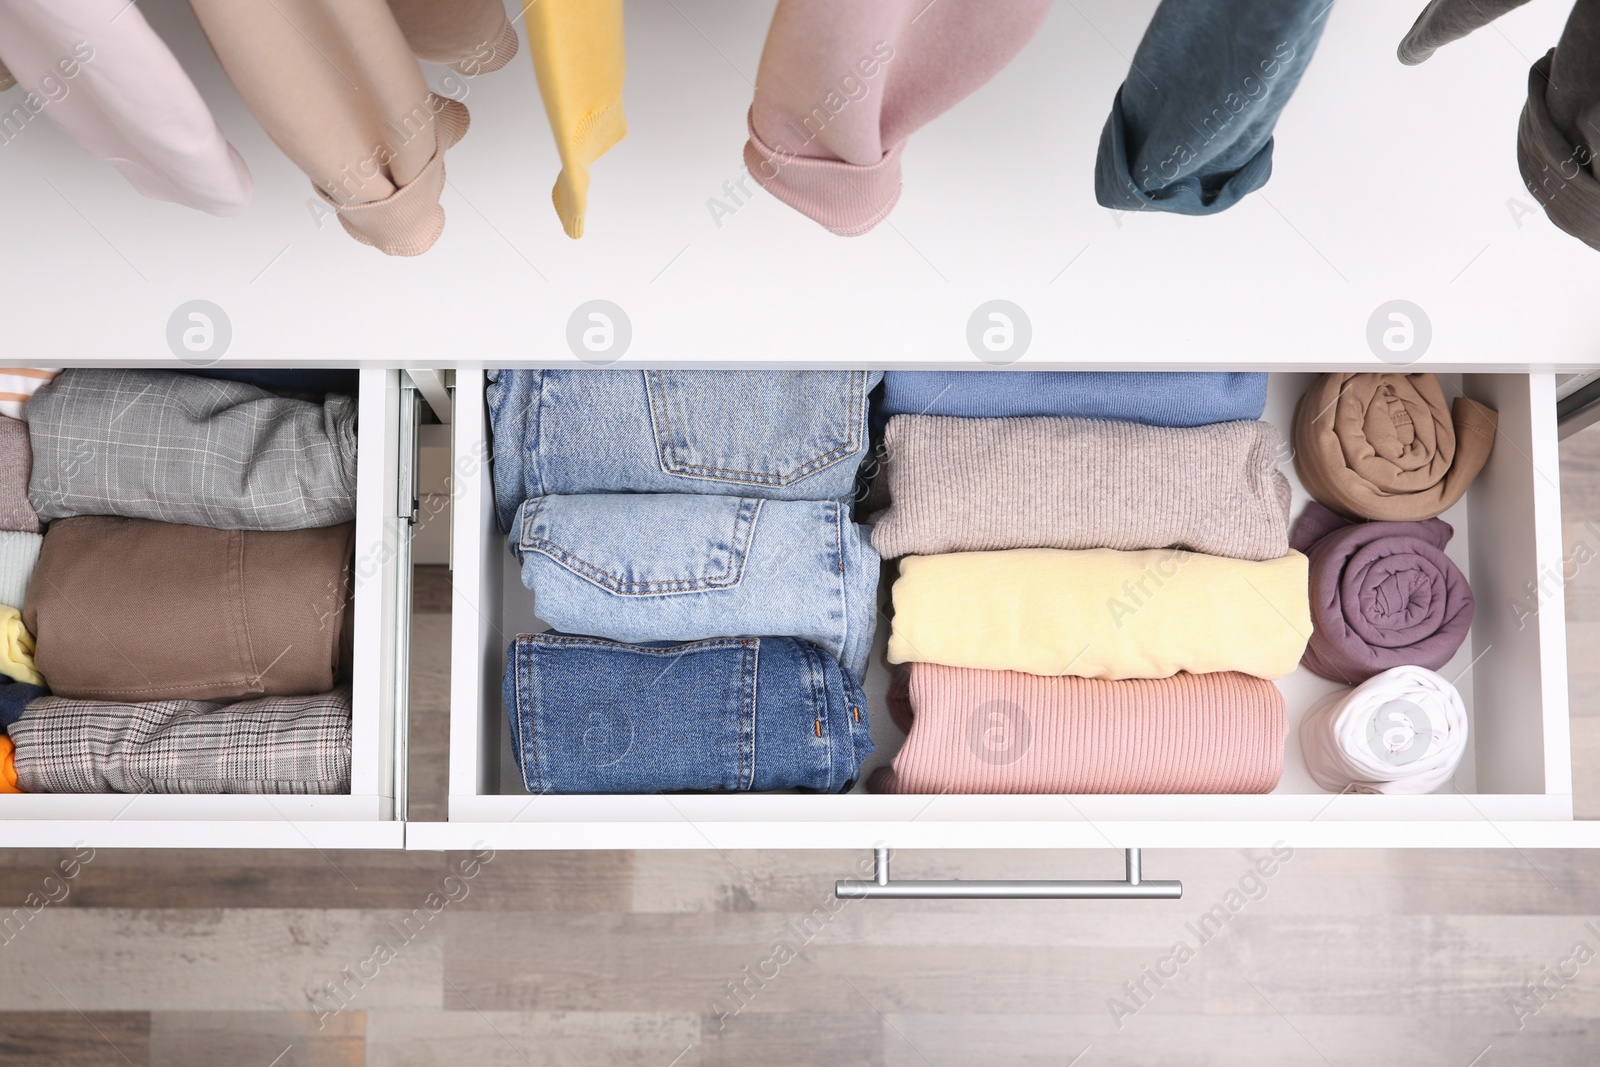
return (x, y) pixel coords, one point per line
(362, 819)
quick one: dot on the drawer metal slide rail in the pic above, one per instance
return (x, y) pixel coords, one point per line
(1132, 887)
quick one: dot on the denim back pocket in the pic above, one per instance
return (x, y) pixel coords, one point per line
(766, 428)
(644, 544)
(595, 716)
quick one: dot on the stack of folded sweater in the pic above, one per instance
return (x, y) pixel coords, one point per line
(1384, 455)
(19, 551)
(688, 535)
(1097, 588)
(189, 607)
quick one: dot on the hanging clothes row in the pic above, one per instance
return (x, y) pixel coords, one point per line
(840, 89)
(336, 86)
(1560, 123)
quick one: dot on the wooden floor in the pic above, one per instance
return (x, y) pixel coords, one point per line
(1456, 959)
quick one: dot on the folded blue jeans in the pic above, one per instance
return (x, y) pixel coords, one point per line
(1157, 398)
(1190, 130)
(665, 567)
(779, 435)
(731, 713)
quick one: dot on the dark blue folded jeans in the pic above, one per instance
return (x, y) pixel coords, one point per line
(590, 715)
(1190, 130)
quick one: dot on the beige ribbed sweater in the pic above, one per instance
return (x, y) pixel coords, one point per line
(975, 485)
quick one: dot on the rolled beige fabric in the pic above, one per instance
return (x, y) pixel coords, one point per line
(1387, 446)
(136, 610)
(975, 485)
(337, 87)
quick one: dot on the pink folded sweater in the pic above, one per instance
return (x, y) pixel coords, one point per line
(975, 731)
(843, 84)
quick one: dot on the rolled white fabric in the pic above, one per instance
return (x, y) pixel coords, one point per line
(1402, 731)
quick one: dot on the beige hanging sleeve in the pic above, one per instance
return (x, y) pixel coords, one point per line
(337, 87)
(471, 37)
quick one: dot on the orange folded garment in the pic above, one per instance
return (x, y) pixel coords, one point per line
(8, 766)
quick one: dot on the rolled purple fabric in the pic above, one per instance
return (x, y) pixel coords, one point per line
(1383, 594)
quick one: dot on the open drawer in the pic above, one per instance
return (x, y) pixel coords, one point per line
(366, 817)
(1513, 788)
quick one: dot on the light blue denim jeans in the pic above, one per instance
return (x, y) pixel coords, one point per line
(674, 567)
(779, 435)
(589, 715)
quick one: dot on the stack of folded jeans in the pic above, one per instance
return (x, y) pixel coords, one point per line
(189, 604)
(1097, 587)
(688, 537)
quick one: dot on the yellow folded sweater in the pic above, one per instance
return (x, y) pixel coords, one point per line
(578, 57)
(16, 648)
(1101, 613)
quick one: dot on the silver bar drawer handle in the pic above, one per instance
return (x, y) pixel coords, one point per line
(1133, 887)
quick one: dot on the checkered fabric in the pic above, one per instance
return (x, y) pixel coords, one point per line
(269, 745)
(185, 449)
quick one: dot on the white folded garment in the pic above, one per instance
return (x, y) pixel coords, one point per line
(19, 552)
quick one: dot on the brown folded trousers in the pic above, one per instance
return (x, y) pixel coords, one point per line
(1386, 446)
(135, 610)
(337, 88)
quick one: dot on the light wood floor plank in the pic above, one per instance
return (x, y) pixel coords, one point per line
(82, 1039)
(107, 959)
(278, 1039)
(518, 1039)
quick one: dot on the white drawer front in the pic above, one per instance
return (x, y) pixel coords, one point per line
(362, 819)
(1514, 786)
